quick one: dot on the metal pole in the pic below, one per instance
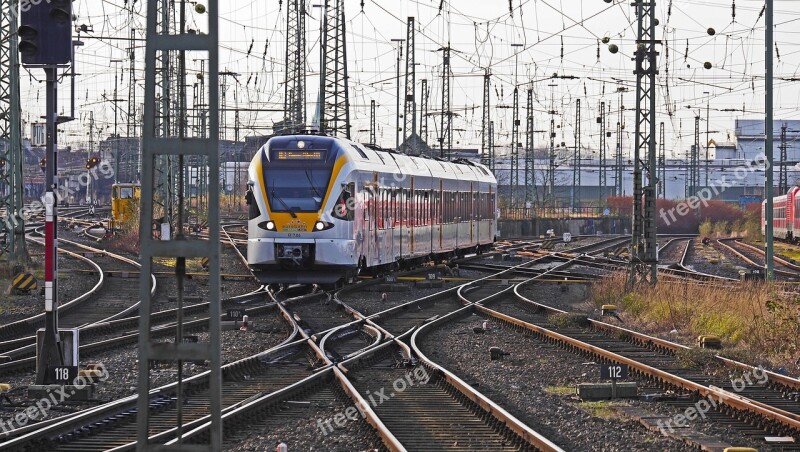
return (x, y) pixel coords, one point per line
(11, 157)
(602, 174)
(768, 126)
(423, 114)
(50, 353)
(372, 122)
(708, 117)
(410, 100)
(397, 106)
(485, 118)
(116, 122)
(576, 165)
(514, 151)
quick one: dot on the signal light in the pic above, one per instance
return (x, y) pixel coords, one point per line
(92, 162)
(45, 32)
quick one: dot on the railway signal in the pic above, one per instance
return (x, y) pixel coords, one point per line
(45, 33)
(92, 162)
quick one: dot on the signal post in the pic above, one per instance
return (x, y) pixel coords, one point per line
(45, 35)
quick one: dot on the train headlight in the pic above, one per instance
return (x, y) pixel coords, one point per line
(270, 225)
(322, 226)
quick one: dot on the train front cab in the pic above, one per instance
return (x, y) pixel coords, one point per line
(792, 214)
(294, 236)
(124, 203)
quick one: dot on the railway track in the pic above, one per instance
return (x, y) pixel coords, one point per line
(357, 353)
(431, 412)
(754, 257)
(109, 299)
(114, 425)
(771, 407)
(105, 315)
(103, 336)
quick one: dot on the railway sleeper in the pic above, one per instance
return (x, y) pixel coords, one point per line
(745, 416)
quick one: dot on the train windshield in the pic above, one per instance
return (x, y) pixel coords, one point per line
(296, 185)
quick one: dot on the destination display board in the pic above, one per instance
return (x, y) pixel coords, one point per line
(299, 155)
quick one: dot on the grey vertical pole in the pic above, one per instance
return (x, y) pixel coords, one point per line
(768, 126)
(423, 114)
(602, 170)
(180, 247)
(410, 100)
(485, 118)
(530, 178)
(576, 169)
(372, 135)
(397, 108)
(514, 151)
(11, 158)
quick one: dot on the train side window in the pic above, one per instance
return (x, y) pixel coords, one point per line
(345, 204)
(428, 207)
(384, 209)
(252, 206)
(409, 214)
(420, 209)
(451, 214)
(446, 207)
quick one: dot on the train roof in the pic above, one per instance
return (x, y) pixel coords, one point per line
(369, 158)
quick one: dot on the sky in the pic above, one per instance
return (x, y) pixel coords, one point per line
(521, 47)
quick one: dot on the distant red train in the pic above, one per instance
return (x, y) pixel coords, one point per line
(785, 216)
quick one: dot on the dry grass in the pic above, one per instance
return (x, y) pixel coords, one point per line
(127, 240)
(754, 320)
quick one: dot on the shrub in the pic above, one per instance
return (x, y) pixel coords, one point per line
(706, 228)
(754, 319)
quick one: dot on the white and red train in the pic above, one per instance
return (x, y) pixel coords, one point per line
(785, 216)
(324, 209)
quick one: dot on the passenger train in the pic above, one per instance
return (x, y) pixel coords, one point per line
(785, 216)
(324, 210)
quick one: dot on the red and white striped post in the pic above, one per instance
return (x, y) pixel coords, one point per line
(49, 353)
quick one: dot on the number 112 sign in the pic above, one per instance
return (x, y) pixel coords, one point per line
(613, 371)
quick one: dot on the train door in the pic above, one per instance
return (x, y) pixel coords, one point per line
(440, 211)
(394, 222)
(386, 231)
(471, 207)
(412, 219)
(365, 223)
(376, 221)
